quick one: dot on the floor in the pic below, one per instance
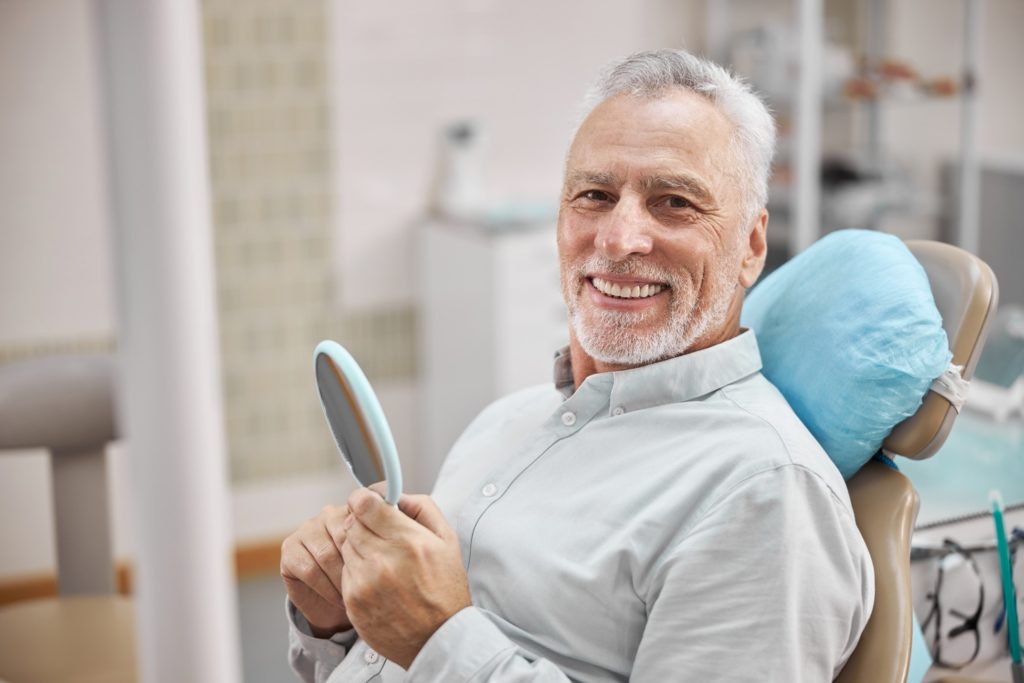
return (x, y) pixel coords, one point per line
(264, 631)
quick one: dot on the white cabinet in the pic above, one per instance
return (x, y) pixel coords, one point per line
(491, 318)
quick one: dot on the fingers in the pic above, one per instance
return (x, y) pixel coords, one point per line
(300, 567)
(424, 510)
(358, 541)
(384, 521)
(374, 513)
(328, 561)
(380, 488)
(311, 555)
(334, 522)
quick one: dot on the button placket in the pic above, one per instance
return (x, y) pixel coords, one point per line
(476, 506)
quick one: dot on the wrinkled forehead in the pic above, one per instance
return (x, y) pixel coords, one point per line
(677, 129)
(674, 104)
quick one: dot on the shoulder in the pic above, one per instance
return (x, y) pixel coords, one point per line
(782, 438)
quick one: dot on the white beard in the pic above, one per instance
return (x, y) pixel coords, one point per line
(614, 337)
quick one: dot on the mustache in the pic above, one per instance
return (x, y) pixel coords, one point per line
(631, 267)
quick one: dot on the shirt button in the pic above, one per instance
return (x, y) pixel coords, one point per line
(568, 419)
(489, 490)
(618, 410)
(371, 656)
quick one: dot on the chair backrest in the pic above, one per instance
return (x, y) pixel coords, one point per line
(65, 404)
(884, 502)
(885, 505)
(966, 294)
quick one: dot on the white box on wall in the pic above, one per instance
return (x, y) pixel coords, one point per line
(491, 319)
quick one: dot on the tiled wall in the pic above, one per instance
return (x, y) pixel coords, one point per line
(267, 98)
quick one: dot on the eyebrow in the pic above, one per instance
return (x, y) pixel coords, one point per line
(591, 178)
(687, 183)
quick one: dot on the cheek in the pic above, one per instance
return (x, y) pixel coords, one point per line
(575, 232)
(572, 245)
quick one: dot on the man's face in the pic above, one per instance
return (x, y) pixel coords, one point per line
(654, 243)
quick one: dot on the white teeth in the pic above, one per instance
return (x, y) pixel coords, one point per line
(635, 292)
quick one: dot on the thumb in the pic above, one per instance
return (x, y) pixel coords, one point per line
(424, 510)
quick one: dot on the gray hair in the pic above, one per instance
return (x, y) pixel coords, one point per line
(650, 74)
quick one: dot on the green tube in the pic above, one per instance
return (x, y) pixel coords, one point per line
(1005, 570)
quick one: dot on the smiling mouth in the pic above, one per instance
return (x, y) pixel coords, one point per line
(620, 291)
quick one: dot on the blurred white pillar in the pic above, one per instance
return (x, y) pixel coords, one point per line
(170, 400)
(968, 206)
(806, 226)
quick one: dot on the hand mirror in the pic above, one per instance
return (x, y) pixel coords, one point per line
(356, 419)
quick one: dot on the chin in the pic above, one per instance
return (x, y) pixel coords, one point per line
(615, 340)
(618, 346)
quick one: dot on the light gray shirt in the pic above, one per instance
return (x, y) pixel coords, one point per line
(674, 522)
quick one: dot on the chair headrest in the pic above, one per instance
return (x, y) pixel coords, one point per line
(850, 334)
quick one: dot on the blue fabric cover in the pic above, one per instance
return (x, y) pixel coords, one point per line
(849, 333)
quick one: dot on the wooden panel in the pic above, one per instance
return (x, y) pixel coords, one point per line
(252, 560)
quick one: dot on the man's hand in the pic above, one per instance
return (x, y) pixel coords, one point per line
(311, 566)
(403, 575)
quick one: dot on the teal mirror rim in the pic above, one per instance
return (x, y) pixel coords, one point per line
(371, 409)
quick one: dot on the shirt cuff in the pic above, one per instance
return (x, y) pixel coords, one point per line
(322, 649)
(464, 645)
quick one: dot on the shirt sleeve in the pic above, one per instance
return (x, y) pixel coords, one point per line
(311, 658)
(773, 583)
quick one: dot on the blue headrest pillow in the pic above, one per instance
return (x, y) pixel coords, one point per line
(849, 333)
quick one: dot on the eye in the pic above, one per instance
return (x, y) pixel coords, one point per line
(677, 202)
(595, 196)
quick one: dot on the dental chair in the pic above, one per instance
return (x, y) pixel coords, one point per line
(66, 406)
(884, 502)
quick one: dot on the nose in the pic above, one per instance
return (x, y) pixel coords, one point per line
(624, 232)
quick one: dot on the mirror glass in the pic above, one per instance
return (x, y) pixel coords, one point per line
(356, 419)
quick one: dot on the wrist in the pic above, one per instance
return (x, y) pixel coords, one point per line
(325, 631)
(321, 626)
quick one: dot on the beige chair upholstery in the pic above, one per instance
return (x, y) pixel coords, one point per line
(66, 406)
(885, 505)
(78, 639)
(884, 502)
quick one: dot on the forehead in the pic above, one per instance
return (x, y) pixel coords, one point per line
(628, 135)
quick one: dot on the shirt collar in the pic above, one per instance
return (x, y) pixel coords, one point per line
(674, 380)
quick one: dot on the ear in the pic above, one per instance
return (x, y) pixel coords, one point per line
(756, 249)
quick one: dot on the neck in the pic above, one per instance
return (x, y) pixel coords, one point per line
(584, 365)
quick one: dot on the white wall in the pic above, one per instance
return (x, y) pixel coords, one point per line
(404, 69)
(55, 272)
(929, 35)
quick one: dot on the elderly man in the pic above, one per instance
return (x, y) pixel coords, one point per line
(659, 514)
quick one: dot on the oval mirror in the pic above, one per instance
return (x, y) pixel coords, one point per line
(356, 419)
